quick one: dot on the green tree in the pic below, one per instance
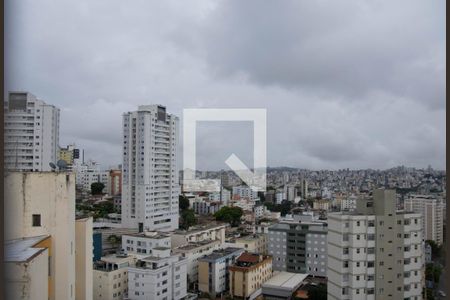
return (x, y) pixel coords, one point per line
(102, 209)
(230, 215)
(97, 188)
(435, 249)
(269, 205)
(115, 240)
(433, 272)
(188, 219)
(183, 202)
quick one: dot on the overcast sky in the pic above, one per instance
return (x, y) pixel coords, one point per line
(357, 84)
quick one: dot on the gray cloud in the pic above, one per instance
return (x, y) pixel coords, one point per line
(350, 84)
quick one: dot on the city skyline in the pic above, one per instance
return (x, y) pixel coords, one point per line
(370, 94)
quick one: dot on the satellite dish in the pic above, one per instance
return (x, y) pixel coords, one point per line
(53, 166)
(62, 165)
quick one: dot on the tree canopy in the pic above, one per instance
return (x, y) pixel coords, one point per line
(97, 188)
(229, 214)
(183, 202)
(188, 219)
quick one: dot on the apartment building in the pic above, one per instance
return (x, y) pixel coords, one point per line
(432, 210)
(150, 185)
(31, 129)
(213, 275)
(25, 269)
(114, 186)
(206, 207)
(192, 252)
(255, 243)
(244, 192)
(110, 276)
(88, 173)
(375, 252)
(69, 154)
(321, 204)
(43, 203)
(248, 274)
(299, 245)
(142, 244)
(161, 276)
(199, 233)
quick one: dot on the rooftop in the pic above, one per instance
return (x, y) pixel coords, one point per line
(200, 228)
(22, 250)
(221, 253)
(150, 235)
(286, 281)
(194, 245)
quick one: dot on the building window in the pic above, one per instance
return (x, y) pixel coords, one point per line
(36, 218)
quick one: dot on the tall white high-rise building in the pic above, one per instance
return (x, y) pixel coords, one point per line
(432, 210)
(150, 186)
(31, 133)
(376, 251)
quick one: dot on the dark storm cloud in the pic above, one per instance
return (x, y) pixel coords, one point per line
(345, 83)
(344, 47)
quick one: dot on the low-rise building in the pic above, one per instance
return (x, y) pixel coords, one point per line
(206, 207)
(26, 266)
(321, 204)
(213, 275)
(142, 244)
(248, 274)
(161, 276)
(110, 276)
(209, 232)
(192, 252)
(283, 285)
(255, 243)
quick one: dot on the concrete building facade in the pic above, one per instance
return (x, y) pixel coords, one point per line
(31, 129)
(192, 252)
(375, 252)
(213, 275)
(43, 203)
(248, 274)
(158, 277)
(26, 265)
(83, 258)
(299, 246)
(432, 210)
(150, 185)
(110, 277)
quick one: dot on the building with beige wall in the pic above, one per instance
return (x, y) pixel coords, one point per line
(43, 203)
(192, 252)
(209, 232)
(213, 275)
(110, 277)
(248, 274)
(255, 243)
(25, 267)
(432, 210)
(83, 258)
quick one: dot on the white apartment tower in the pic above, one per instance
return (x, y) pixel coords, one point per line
(432, 210)
(150, 185)
(375, 252)
(31, 133)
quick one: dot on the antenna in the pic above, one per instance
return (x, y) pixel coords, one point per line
(53, 166)
(62, 165)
